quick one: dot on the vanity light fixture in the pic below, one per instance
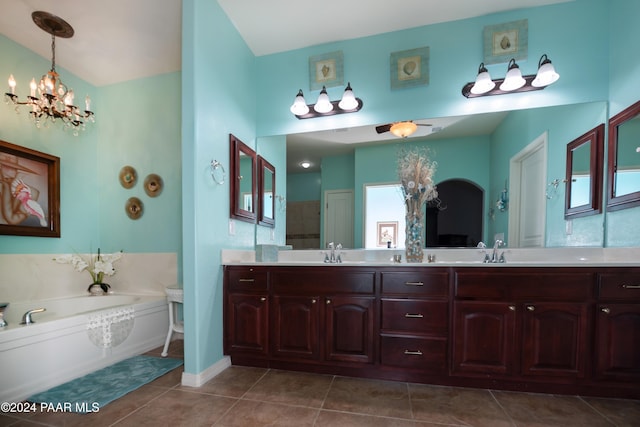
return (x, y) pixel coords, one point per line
(324, 106)
(513, 82)
(50, 99)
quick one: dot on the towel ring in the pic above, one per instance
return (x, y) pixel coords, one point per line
(217, 172)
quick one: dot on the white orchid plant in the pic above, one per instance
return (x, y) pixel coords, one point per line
(98, 266)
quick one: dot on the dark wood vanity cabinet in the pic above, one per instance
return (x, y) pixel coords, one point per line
(246, 311)
(518, 324)
(414, 319)
(567, 330)
(328, 315)
(618, 327)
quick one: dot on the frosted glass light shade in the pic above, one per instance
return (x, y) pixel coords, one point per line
(403, 129)
(546, 73)
(483, 82)
(513, 80)
(299, 106)
(323, 105)
(348, 101)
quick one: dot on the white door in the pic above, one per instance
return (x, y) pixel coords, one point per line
(527, 211)
(338, 217)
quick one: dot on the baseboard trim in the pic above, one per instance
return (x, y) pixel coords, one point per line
(197, 380)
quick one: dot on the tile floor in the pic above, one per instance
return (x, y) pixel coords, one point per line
(242, 396)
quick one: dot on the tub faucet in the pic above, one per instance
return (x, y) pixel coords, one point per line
(26, 318)
(3, 306)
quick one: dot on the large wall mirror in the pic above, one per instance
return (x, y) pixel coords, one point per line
(476, 149)
(243, 182)
(624, 159)
(583, 194)
(266, 192)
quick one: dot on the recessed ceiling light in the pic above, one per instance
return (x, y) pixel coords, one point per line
(305, 164)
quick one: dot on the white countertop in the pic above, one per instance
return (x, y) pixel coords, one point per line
(471, 257)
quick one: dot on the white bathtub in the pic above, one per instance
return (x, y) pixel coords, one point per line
(62, 344)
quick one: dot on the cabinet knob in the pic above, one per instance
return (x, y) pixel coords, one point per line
(263, 299)
(328, 301)
(530, 308)
(313, 301)
(512, 307)
(605, 310)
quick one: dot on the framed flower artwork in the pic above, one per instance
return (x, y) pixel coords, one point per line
(29, 192)
(387, 234)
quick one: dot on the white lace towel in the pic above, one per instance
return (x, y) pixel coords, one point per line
(110, 328)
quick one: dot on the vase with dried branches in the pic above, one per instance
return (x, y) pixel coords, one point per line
(415, 171)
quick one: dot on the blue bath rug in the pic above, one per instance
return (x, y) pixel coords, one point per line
(95, 390)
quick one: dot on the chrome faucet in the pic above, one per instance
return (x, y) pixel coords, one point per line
(3, 306)
(26, 318)
(332, 257)
(495, 259)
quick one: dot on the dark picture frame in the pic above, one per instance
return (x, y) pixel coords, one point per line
(29, 192)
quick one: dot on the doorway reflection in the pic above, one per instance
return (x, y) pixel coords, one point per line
(456, 220)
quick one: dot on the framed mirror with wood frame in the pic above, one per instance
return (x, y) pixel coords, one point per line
(583, 195)
(243, 180)
(623, 187)
(266, 193)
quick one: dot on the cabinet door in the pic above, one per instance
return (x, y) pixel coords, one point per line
(555, 340)
(483, 337)
(295, 327)
(618, 342)
(247, 324)
(349, 328)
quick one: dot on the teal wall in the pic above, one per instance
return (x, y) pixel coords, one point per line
(218, 98)
(303, 186)
(455, 53)
(225, 89)
(134, 126)
(563, 124)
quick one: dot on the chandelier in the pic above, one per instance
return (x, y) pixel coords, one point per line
(50, 99)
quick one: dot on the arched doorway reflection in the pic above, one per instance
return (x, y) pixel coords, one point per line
(456, 221)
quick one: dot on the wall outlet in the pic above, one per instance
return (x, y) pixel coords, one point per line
(568, 227)
(232, 227)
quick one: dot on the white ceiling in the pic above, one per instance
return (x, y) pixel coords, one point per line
(120, 40)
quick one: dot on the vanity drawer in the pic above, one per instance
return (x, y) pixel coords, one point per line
(247, 279)
(525, 284)
(417, 353)
(619, 285)
(418, 316)
(322, 280)
(432, 284)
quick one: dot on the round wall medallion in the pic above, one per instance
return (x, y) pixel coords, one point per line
(153, 185)
(134, 208)
(128, 176)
